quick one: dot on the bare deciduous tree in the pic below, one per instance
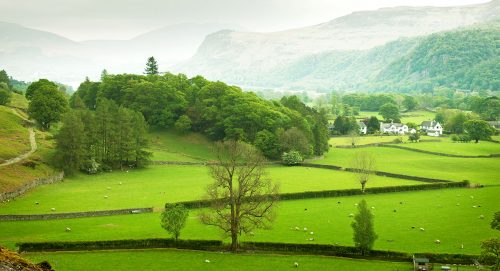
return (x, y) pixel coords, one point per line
(242, 197)
(363, 164)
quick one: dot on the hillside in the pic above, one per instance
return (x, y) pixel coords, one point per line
(325, 56)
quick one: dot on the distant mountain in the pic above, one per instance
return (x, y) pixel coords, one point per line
(29, 54)
(336, 54)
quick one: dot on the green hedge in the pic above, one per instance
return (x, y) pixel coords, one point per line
(341, 193)
(120, 244)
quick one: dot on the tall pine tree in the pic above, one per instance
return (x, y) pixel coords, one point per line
(151, 67)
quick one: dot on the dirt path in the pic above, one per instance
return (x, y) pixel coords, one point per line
(32, 143)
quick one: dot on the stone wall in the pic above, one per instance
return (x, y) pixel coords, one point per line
(30, 185)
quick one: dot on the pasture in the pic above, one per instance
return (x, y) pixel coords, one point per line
(412, 116)
(14, 137)
(449, 147)
(169, 145)
(154, 186)
(169, 260)
(448, 215)
(476, 170)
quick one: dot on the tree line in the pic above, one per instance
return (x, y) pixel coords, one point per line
(111, 137)
(215, 109)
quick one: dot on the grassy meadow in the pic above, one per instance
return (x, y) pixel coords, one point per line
(169, 145)
(413, 116)
(14, 137)
(447, 215)
(476, 170)
(170, 260)
(154, 186)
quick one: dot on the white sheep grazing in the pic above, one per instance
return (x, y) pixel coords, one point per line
(305, 229)
(297, 228)
(311, 239)
(462, 246)
(311, 233)
(105, 197)
(296, 264)
(53, 209)
(481, 217)
(355, 204)
(474, 206)
(68, 229)
(422, 229)
(207, 261)
(120, 183)
(437, 241)
(373, 207)
(351, 215)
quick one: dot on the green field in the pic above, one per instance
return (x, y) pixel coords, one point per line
(18, 100)
(14, 137)
(477, 170)
(435, 211)
(156, 185)
(173, 146)
(168, 259)
(449, 147)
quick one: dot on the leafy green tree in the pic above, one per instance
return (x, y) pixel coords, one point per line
(364, 234)
(490, 252)
(4, 78)
(292, 158)
(415, 137)
(40, 85)
(267, 143)
(183, 124)
(173, 219)
(495, 223)
(372, 125)
(294, 139)
(151, 67)
(47, 106)
(478, 129)
(410, 102)
(5, 96)
(70, 146)
(344, 125)
(390, 111)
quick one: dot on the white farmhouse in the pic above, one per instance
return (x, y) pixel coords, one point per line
(432, 128)
(393, 128)
(362, 128)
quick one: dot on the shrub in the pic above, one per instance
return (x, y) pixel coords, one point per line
(415, 137)
(183, 124)
(292, 158)
(397, 140)
(4, 96)
(454, 138)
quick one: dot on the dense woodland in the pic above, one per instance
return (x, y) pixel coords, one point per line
(214, 109)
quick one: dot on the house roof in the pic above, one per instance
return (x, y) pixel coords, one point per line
(421, 260)
(387, 125)
(430, 123)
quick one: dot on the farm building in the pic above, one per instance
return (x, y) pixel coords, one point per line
(421, 264)
(431, 128)
(362, 128)
(393, 128)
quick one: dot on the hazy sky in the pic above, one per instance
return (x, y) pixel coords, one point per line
(123, 19)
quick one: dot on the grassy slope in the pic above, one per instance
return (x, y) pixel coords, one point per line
(449, 147)
(436, 211)
(14, 137)
(19, 101)
(159, 184)
(167, 260)
(478, 170)
(172, 146)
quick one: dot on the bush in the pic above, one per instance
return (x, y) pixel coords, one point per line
(397, 140)
(415, 137)
(292, 158)
(4, 96)
(183, 124)
(454, 138)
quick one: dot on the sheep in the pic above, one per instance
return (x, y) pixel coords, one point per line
(351, 215)
(207, 261)
(373, 207)
(474, 206)
(311, 239)
(305, 229)
(481, 217)
(105, 197)
(355, 204)
(462, 246)
(422, 229)
(68, 229)
(471, 197)
(311, 233)
(53, 209)
(437, 241)
(36, 202)
(296, 264)
(297, 228)
(120, 183)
